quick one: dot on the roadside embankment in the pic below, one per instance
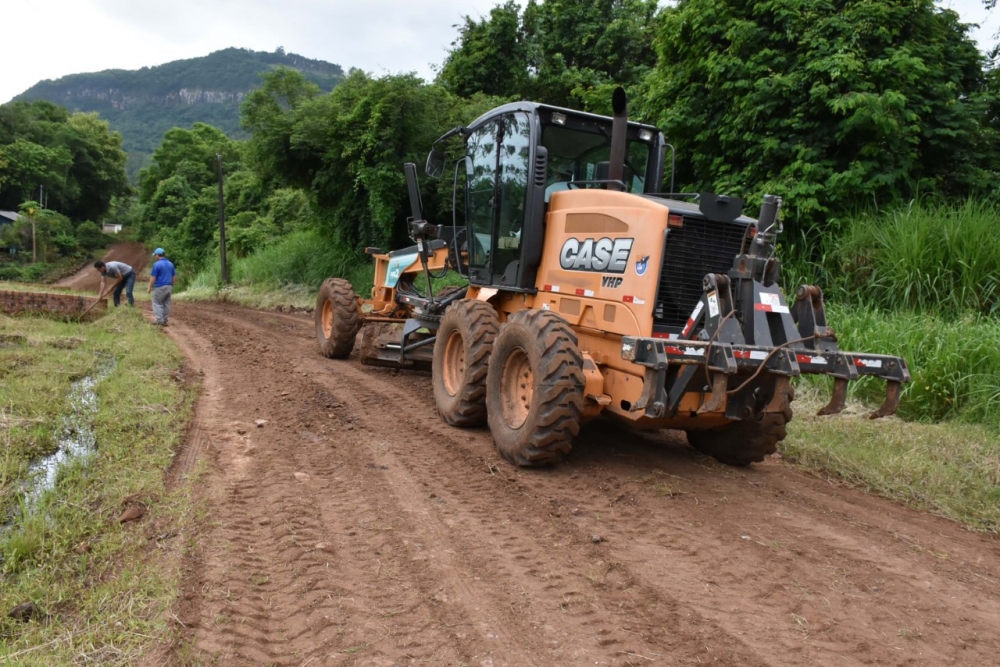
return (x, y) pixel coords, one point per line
(91, 417)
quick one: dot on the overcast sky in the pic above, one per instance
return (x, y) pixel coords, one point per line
(47, 39)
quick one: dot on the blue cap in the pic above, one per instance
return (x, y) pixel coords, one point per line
(159, 251)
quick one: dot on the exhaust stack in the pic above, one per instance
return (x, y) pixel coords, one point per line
(619, 129)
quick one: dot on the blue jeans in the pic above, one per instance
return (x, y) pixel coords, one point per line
(127, 283)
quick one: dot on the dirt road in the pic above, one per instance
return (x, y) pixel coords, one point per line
(354, 527)
(87, 279)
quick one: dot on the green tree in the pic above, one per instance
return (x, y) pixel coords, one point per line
(75, 157)
(491, 55)
(269, 114)
(97, 174)
(191, 155)
(832, 104)
(352, 145)
(30, 165)
(53, 232)
(566, 52)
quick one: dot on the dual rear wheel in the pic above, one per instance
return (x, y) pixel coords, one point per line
(525, 378)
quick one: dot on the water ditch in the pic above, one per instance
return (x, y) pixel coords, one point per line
(76, 439)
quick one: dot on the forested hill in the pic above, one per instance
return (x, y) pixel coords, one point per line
(143, 104)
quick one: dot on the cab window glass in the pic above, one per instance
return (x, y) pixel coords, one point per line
(515, 145)
(481, 185)
(575, 154)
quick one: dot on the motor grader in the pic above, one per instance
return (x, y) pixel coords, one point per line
(589, 291)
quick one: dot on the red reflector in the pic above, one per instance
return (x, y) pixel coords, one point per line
(673, 350)
(674, 220)
(580, 292)
(763, 306)
(546, 288)
(657, 334)
(628, 299)
(753, 231)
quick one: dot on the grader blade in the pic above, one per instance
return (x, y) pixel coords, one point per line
(380, 345)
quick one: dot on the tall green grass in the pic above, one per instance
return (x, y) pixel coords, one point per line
(954, 360)
(934, 257)
(302, 258)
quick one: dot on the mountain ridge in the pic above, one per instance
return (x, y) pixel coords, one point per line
(144, 103)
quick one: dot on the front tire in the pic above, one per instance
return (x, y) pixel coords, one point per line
(337, 318)
(535, 388)
(461, 359)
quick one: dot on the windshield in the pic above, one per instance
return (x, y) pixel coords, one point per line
(575, 153)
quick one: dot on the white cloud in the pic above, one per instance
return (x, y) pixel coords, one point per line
(68, 36)
(91, 35)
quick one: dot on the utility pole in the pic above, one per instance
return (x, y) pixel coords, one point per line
(222, 225)
(34, 250)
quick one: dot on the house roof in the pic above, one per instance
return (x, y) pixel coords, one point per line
(10, 215)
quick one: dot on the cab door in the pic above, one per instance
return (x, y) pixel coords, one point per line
(497, 172)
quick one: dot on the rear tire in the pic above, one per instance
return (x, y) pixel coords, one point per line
(461, 359)
(534, 388)
(744, 442)
(337, 318)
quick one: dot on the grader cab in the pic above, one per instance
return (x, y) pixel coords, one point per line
(591, 292)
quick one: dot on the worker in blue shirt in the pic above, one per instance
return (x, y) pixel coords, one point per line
(161, 284)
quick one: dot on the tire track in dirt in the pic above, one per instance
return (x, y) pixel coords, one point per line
(702, 563)
(277, 540)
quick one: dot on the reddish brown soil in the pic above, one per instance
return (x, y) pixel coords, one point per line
(88, 279)
(355, 527)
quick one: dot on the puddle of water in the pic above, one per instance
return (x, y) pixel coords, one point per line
(77, 440)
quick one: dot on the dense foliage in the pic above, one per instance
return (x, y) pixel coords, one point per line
(331, 162)
(347, 148)
(144, 104)
(75, 157)
(834, 105)
(560, 51)
(179, 198)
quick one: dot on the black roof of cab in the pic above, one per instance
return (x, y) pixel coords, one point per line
(537, 106)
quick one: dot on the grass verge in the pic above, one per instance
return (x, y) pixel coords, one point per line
(100, 587)
(949, 469)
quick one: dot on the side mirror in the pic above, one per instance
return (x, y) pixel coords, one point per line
(435, 163)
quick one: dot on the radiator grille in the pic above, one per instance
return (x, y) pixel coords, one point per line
(699, 247)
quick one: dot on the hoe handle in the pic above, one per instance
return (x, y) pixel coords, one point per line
(91, 306)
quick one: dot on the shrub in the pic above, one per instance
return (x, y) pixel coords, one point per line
(90, 237)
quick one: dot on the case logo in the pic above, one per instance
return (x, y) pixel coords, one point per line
(641, 264)
(603, 255)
